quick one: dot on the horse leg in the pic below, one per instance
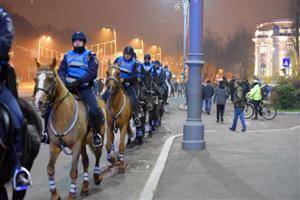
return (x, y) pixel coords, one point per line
(122, 148)
(74, 171)
(3, 193)
(110, 146)
(97, 169)
(85, 163)
(54, 152)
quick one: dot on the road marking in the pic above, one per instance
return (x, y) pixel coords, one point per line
(152, 182)
(274, 130)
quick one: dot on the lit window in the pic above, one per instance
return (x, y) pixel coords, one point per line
(263, 49)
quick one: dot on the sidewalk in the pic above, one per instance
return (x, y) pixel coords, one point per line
(261, 164)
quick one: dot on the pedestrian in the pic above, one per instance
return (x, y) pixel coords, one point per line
(239, 105)
(255, 97)
(208, 92)
(231, 87)
(179, 90)
(220, 97)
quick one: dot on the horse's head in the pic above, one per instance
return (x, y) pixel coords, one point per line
(113, 78)
(45, 84)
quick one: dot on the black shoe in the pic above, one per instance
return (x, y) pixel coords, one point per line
(244, 130)
(97, 140)
(45, 138)
(222, 120)
(231, 129)
(254, 118)
(218, 121)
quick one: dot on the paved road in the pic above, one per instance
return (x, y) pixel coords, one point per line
(142, 159)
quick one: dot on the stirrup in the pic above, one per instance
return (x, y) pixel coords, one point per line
(22, 187)
(98, 145)
(137, 122)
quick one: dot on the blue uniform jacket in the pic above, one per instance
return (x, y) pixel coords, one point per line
(86, 78)
(132, 73)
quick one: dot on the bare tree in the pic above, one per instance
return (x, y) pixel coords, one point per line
(294, 10)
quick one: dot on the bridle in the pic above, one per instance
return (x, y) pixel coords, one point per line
(50, 90)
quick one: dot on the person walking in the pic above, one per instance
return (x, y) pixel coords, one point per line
(220, 97)
(239, 105)
(208, 92)
(231, 87)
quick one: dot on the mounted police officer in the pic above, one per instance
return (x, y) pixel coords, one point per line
(8, 98)
(78, 70)
(160, 78)
(168, 74)
(129, 69)
(147, 66)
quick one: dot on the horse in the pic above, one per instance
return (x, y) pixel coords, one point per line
(149, 99)
(31, 145)
(68, 127)
(119, 109)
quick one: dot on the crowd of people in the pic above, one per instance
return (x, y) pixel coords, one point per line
(238, 91)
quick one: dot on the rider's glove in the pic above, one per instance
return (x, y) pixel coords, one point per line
(72, 86)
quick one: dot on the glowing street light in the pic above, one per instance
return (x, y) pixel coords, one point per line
(43, 38)
(157, 50)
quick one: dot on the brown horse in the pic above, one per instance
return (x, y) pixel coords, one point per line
(68, 127)
(119, 109)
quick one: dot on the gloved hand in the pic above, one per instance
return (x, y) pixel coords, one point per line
(122, 80)
(72, 86)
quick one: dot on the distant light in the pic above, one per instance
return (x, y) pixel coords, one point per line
(44, 37)
(49, 38)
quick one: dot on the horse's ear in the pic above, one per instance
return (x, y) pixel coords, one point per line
(109, 62)
(38, 65)
(53, 64)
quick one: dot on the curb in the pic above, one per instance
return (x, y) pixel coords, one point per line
(288, 113)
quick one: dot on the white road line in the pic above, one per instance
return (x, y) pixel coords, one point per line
(151, 184)
(273, 130)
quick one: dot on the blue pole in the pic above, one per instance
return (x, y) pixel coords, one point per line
(193, 130)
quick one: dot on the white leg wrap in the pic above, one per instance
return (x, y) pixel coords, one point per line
(73, 188)
(121, 157)
(86, 176)
(97, 170)
(52, 185)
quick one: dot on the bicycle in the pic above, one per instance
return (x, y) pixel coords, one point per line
(266, 110)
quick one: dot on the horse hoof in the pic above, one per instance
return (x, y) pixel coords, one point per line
(97, 179)
(71, 197)
(121, 170)
(112, 160)
(84, 192)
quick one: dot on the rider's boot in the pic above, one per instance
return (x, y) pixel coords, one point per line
(22, 177)
(139, 136)
(97, 138)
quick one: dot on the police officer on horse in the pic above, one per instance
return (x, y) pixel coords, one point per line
(129, 69)
(8, 99)
(78, 70)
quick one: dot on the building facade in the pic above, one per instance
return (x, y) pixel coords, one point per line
(274, 47)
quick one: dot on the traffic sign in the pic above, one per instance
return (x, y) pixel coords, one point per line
(286, 62)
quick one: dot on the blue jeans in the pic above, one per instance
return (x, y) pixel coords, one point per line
(238, 112)
(208, 102)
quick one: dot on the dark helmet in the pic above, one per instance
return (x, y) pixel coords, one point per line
(166, 67)
(156, 62)
(128, 50)
(147, 56)
(79, 36)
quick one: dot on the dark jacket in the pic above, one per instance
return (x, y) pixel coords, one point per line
(6, 35)
(208, 91)
(238, 98)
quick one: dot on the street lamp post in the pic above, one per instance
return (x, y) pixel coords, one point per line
(193, 137)
(40, 46)
(185, 11)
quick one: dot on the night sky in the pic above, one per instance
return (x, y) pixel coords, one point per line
(155, 21)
